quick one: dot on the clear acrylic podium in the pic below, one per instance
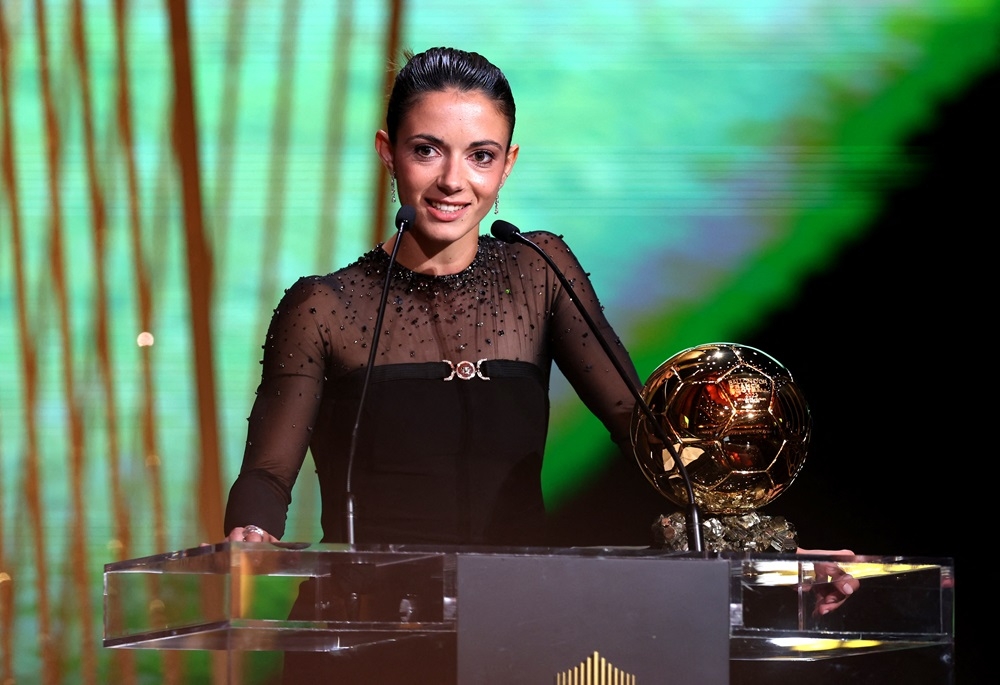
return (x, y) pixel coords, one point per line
(572, 616)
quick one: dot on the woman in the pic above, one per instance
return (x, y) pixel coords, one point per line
(440, 458)
(449, 447)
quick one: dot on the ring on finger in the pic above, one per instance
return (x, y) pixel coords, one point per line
(252, 530)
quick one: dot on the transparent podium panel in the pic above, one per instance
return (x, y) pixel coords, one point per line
(897, 627)
(537, 614)
(275, 597)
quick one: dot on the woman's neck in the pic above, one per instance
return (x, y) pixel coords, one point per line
(434, 259)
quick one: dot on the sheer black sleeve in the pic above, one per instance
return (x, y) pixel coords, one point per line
(577, 352)
(284, 410)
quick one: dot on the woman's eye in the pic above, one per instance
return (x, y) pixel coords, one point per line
(424, 150)
(482, 156)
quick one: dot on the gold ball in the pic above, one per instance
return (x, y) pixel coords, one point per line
(735, 418)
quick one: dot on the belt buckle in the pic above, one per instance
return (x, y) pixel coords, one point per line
(465, 370)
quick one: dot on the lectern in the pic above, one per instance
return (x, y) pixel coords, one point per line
(573, 616)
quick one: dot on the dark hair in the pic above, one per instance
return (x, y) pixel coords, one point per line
(439, 69)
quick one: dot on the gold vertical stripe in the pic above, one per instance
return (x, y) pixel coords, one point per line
(201, 284)
(123, 112)
(98, 217)
(380, 199)
(200, 267)
(49, 647)
(30, 385)
(123, 660)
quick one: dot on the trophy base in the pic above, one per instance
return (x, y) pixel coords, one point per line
(739, 532)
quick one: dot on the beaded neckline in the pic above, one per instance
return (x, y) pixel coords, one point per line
(377, 259)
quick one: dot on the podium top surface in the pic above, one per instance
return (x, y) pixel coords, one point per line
(309, 559)
(159, 601)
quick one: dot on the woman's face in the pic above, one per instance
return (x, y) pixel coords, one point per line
(450, 159)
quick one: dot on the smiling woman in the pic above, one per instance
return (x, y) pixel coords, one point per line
(449, 160)
(448, 448)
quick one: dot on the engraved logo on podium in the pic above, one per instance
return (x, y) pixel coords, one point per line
(595, 671)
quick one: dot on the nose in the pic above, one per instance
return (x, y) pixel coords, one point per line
(451, 178)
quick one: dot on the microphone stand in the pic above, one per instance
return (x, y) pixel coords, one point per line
(509, 233)
(404, 218)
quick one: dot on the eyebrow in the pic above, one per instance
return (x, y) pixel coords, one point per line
(437, 141)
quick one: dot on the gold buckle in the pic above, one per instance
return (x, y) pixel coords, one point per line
(465, 370)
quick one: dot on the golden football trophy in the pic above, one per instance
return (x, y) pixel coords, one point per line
(740, 425)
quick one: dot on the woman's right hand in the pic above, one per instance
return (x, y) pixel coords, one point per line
(250, 533)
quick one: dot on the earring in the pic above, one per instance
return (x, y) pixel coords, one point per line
(496, 204)
(392, 189)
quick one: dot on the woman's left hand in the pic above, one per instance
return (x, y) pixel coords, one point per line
(832, 585)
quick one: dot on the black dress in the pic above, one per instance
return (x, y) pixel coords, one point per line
(449, 448)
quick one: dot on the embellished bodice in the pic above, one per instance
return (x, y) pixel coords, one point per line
(450, 445)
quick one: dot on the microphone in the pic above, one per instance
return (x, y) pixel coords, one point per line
(509, 233)
(404, 219)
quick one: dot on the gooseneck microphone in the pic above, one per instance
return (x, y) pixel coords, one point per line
(509, 233)
(404, 219)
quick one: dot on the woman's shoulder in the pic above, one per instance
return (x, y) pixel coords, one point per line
(305, 287)
(336, 281)
(315, 288)
(539, 237)
(553, 245)
(542, 238)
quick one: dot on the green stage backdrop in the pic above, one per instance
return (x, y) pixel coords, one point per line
(169, 167)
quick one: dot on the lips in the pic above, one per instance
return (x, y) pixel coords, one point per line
(446, 212)
(447, 207)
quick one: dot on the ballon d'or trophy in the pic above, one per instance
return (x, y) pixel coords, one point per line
(741, 427)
